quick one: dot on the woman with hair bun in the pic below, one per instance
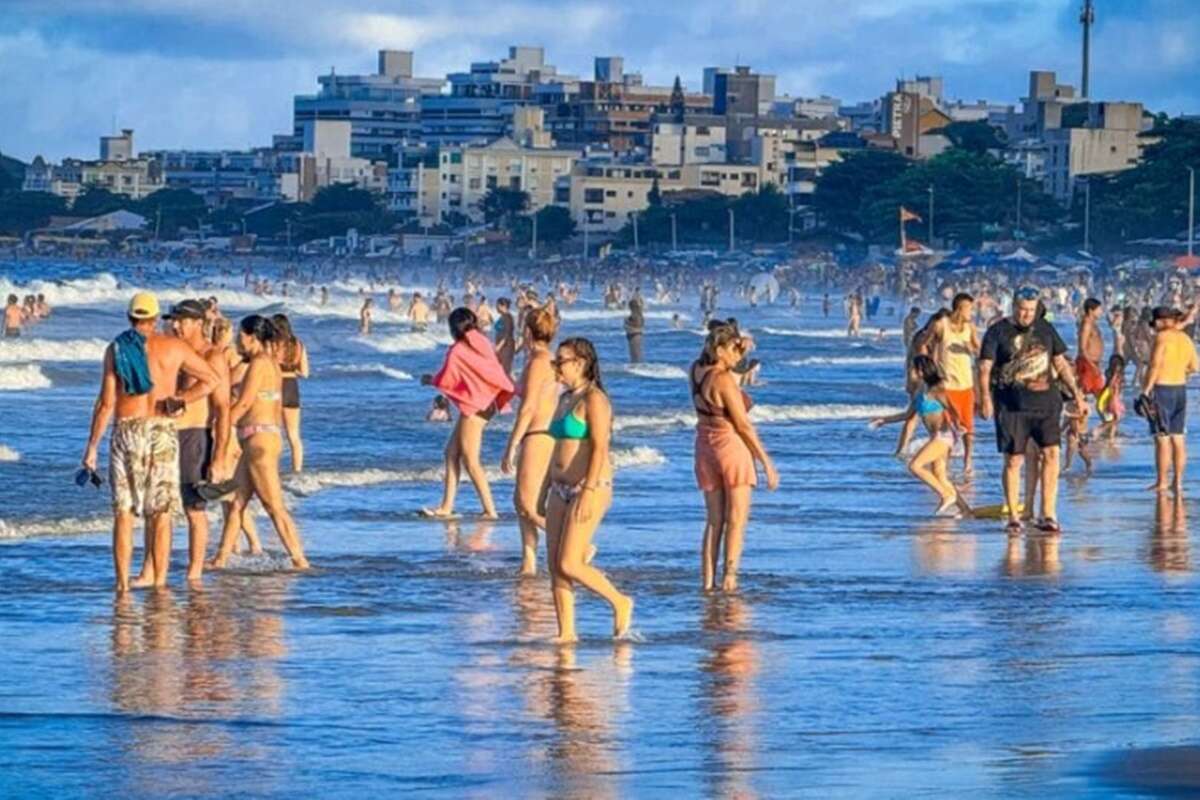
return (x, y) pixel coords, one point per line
(473, 379)
(580, 489)
(530, 434)
(727, 447)
(257, 416)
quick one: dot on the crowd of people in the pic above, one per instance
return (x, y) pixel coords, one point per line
(203, 411)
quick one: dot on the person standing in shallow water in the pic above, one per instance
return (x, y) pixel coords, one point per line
(139, 387)
(531, 435)
(580, 490)
(635, 327)
(476, 382)
(1172, 360)
(258, 414)
(727, 447)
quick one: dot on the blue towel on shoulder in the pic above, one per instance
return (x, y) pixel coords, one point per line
(129, 360)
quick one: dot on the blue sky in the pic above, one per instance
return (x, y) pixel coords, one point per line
(221, 73)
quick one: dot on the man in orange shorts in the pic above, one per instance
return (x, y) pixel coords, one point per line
(957, 347)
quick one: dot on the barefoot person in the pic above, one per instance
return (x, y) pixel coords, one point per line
(932, 405)
(139, 387)
(505, 334)
(580, 488)
(293, 361)
(957, 347)
(530, 434)
(1172, 360)
(1091, 349)
(1020, 357)
(257, 413)
(237, 366)
(203, 430)
(727, 447)
(473, 379)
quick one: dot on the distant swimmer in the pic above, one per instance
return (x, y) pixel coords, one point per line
(364, 317)
(257, 414)
(635, 328)
(418, 313)
(473, 380)
(504, 334)
(930, 464)
(140, 388)
(580, 488)
(726, 450)
(14, 317)
(530, 444)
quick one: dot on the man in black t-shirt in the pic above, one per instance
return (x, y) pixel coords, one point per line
(1021, 365)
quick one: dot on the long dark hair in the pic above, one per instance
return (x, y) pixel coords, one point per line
(928, 369)
(291, 345)
(462, 321)
(260, 328)
(586, 351)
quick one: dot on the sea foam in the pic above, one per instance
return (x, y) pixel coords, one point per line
(23, 378)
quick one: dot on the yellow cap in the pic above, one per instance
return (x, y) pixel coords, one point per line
(144, 305)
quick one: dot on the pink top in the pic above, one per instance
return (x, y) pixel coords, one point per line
(472, 377)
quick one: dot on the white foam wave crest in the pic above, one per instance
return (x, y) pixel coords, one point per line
(654, 371)
(375, 368)
(23, 378)
(811, 361)
(829, 333)
(764, 414)
(583, 314)
(8, 454)
(819, 413)
(27, 350)
(63, 526)
(310, 483)
(403, 342)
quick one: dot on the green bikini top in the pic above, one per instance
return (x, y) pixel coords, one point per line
(568, 427)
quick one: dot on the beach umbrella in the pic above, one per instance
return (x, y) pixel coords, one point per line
(1187, 262)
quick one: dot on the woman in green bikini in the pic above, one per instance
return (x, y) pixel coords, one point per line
(258, 414)
(580, 489)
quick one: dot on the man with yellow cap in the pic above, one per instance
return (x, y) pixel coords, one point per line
(139, 386)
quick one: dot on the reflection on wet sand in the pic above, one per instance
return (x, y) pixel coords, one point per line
(1041, 553)
(940, 548)
(180, 660)
(1168, 549)
(477, 540)
(730, 700)
(584, 702)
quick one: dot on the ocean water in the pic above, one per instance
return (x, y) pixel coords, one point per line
(873, 650)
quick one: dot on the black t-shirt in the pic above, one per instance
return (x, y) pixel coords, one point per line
(1023, 365)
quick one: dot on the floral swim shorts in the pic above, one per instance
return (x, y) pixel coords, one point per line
(144, 466)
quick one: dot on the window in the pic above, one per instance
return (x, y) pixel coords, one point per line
(701, 152)
(702, 130)
(629, 194)
(491, 181)
(593, 195)
(474, 183)
(610, 193)
(515, 182)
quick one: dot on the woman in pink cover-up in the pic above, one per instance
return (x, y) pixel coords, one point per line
(473, 379)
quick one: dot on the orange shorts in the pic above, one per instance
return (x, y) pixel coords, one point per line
(963, 401)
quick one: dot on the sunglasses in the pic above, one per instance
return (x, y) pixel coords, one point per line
(559, 362)
(1027, 293)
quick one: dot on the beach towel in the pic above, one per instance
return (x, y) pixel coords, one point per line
(472, 377)
(129, 361)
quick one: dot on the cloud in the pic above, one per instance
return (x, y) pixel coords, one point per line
(222, 73)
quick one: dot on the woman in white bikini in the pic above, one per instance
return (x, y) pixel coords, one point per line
(258, 416)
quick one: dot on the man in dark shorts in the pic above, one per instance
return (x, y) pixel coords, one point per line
(1021, 365)
(1172, 360)
(203, 430)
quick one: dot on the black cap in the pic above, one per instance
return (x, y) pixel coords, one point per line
(186, 309)
(1164, 312)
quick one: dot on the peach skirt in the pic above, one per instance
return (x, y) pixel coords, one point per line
(722, 459)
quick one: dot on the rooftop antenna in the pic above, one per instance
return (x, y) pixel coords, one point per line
(1087, 18)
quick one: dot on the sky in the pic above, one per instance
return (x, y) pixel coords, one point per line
(211, 74)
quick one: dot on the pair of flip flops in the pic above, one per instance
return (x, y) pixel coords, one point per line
(1046, 525)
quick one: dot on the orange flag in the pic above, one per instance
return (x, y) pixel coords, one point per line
(906, 216)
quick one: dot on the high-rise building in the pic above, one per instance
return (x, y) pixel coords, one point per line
(384, 109)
